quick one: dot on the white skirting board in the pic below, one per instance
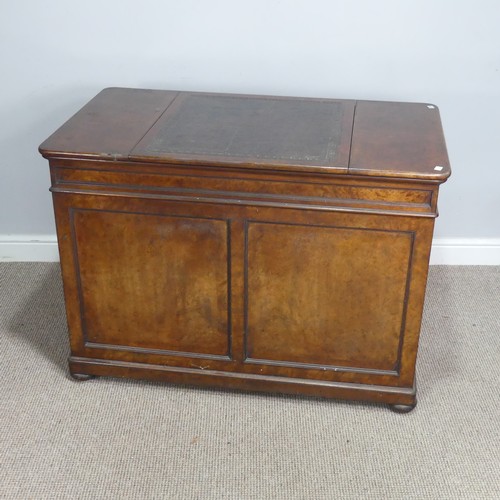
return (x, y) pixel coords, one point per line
(466, 251)
(446, 251)
(28, 248)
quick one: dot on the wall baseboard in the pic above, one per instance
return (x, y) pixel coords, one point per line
(466, 251)
(445, 251)
(28, 248)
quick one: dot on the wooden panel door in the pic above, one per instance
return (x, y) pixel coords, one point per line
(153, 282)
(326, 297)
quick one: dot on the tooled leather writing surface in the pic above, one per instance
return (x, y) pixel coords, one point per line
(249, 127)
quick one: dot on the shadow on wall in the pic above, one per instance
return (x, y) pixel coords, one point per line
(39, 320)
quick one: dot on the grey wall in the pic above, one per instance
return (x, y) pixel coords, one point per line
(55, 55)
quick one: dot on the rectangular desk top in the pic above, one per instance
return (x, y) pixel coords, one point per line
(384, 139)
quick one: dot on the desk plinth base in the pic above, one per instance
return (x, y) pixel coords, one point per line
(400, 399)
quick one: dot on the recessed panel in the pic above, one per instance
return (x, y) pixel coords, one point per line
(326, 296)
(154, 282)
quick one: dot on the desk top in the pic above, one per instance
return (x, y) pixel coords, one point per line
(384, 139)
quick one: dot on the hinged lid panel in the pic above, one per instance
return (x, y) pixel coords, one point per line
(398, 139)
(257, 131)
(110, 125)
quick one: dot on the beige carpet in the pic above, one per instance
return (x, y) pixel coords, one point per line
(105, 438)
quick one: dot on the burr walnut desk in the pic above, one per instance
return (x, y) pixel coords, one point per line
(262, 243)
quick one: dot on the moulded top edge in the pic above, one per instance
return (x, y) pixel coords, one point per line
(373, 138)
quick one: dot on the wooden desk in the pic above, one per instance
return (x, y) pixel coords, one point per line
(261, 243)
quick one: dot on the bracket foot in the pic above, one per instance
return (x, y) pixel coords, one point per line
(397, 408)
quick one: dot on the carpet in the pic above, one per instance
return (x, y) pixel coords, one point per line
(122, 439)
